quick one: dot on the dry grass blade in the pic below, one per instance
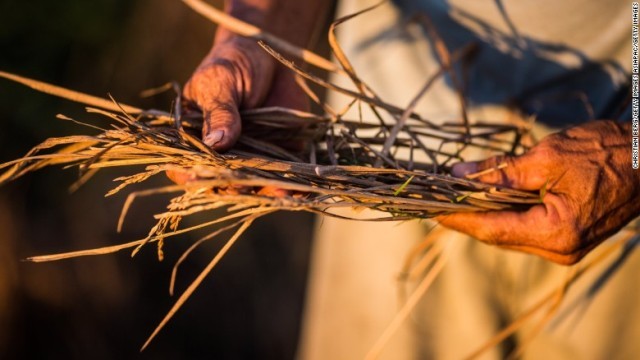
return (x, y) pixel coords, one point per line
(187, 293)
(89, 252)
(186, 253)
(131, 197)
(162, 236)
(409, 305)
(430, 249)
(446, 63)
(551, 298)
(369, 100)
(402, 121)
(487, 171)
(553, 307)
(337, 50)
(69, 94)
(346, 64)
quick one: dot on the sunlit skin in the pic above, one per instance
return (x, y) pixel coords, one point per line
(237, 74)
(591, 189)
(591, 193)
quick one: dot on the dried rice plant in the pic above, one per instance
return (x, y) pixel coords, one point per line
(344, 163)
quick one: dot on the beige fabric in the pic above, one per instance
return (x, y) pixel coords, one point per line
(353, 293)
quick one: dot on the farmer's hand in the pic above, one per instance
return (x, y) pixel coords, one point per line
(591, 193)
(237, 74)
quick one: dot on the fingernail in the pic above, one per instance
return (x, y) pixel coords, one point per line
(464, 168)
(214, 137)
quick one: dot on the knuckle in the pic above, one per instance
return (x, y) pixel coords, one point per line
(545, 151)
(219, 78)
(221, 108)
(218, 71)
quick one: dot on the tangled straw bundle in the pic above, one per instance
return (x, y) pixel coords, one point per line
(344, 163)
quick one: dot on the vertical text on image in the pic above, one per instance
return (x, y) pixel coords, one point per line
(635, 101)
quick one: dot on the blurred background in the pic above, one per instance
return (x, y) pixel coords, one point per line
(105, 307)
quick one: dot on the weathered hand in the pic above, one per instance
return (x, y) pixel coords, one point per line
(238, 74)
(591, 193)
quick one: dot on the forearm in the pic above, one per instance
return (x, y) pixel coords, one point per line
(291, 20)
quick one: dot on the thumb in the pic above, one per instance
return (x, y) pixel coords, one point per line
(215, 89)
(236, 73)
(519, 172)
(221, 125)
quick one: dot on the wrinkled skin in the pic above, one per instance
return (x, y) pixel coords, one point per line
(591, 193)
(237, 74)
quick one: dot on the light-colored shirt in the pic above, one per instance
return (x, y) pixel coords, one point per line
(564, 61)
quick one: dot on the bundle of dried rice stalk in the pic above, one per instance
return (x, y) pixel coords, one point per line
(344, 163)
